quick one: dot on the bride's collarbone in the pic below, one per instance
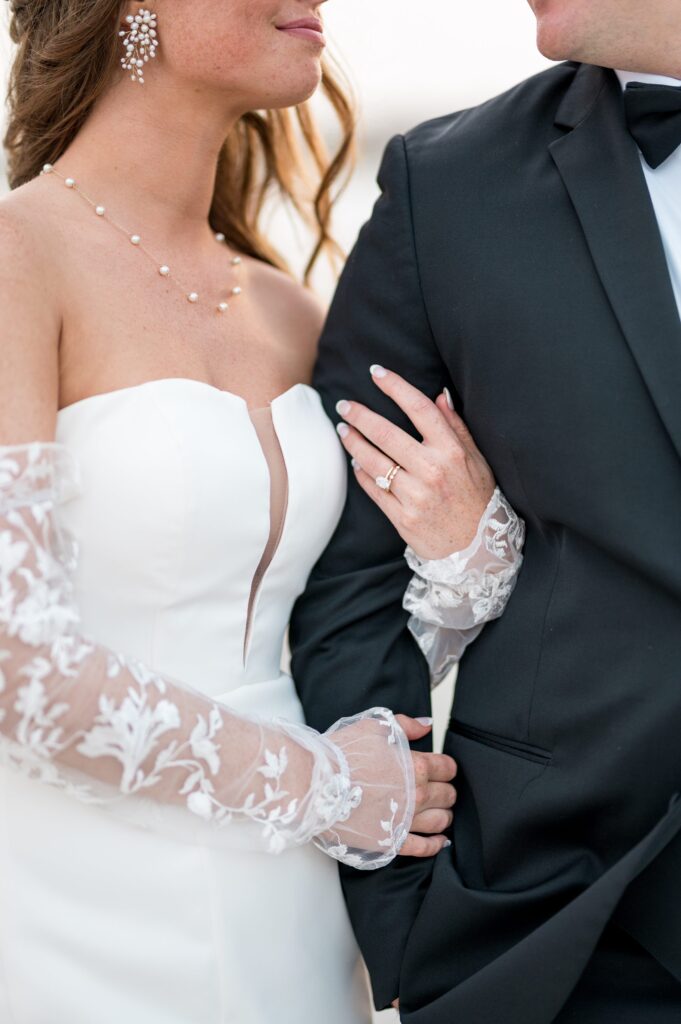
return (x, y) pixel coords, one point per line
(94, 362)
(123, 323)
(111, 342)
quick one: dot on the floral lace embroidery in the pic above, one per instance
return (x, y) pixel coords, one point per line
(105, 728)
(450, 599)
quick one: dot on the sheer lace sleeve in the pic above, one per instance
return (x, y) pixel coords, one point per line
(110, 731)
(451, 599)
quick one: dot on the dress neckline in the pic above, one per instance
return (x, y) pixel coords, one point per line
(221, 392)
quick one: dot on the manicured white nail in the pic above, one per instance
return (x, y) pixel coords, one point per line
(377, 371)
(448, 396)
(425, 721)
(355, 464)
(448, 842)
(343, 429)
(342, 407)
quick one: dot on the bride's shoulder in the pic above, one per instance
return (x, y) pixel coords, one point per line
(30, 324)
(29, 267)
(34, 243)
(291, 307)
(15, 222)
(28, 234)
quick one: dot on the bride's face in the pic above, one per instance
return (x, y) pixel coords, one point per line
(628, 34)
(250, 49)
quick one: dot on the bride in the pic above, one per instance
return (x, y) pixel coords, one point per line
(167, 480)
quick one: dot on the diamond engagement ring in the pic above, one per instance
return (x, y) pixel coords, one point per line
(386, 482)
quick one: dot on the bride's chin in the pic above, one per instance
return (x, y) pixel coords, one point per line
(297, 90)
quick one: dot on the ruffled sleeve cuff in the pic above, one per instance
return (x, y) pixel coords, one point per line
(450, 599)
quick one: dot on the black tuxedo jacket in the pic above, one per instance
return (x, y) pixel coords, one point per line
(515, 256)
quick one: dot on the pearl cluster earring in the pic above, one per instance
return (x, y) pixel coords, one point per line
(140, 42)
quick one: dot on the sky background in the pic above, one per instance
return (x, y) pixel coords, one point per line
(408, 61)
(413, 60)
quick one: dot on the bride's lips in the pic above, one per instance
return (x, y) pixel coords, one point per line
(305, 28)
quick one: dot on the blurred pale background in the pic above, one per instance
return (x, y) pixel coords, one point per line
(408, 61)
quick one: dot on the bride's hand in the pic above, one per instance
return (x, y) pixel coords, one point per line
(438, 497)
(435, 796)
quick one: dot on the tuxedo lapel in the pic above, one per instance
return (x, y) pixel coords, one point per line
(599, 163)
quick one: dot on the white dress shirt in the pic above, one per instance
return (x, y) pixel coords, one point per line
(664, 185)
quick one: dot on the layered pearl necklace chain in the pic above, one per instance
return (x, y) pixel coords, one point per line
(136, 240)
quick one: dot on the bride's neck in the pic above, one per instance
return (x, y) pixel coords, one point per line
(154, 155)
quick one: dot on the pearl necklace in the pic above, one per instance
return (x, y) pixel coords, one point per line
(136, 240)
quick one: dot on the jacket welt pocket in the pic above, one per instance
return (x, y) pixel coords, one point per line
(509, 746)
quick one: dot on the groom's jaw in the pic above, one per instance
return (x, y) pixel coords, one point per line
(633, 35)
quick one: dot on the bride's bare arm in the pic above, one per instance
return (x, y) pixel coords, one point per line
(30, 329)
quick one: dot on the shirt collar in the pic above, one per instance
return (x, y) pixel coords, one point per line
(641, 76)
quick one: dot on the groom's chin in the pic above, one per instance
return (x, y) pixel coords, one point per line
(556, 39)
(560, 24)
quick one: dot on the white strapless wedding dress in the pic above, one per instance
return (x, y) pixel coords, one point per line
(104, 922)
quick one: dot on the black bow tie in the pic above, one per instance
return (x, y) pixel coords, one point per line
(654, 119)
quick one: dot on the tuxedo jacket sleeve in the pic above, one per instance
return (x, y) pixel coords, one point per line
(350, 644)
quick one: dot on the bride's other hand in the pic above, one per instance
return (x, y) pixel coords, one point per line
(435, 795)
(437, 498)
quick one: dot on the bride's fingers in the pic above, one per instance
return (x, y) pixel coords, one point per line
(435, 820)
(454, 421)
(443, 405)
(423, 846)
(422, 412)
(434, 768)
(435, 795)
(397, 444)
(415, 728)
(373, 462)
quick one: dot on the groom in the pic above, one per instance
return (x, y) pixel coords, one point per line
(527, 254)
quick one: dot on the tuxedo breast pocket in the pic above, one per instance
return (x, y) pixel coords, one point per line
(518, 748)
(499, 783)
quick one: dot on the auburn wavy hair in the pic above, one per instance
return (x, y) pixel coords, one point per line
(67, 53)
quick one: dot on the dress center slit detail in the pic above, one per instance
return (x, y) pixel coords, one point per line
(271, 448)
